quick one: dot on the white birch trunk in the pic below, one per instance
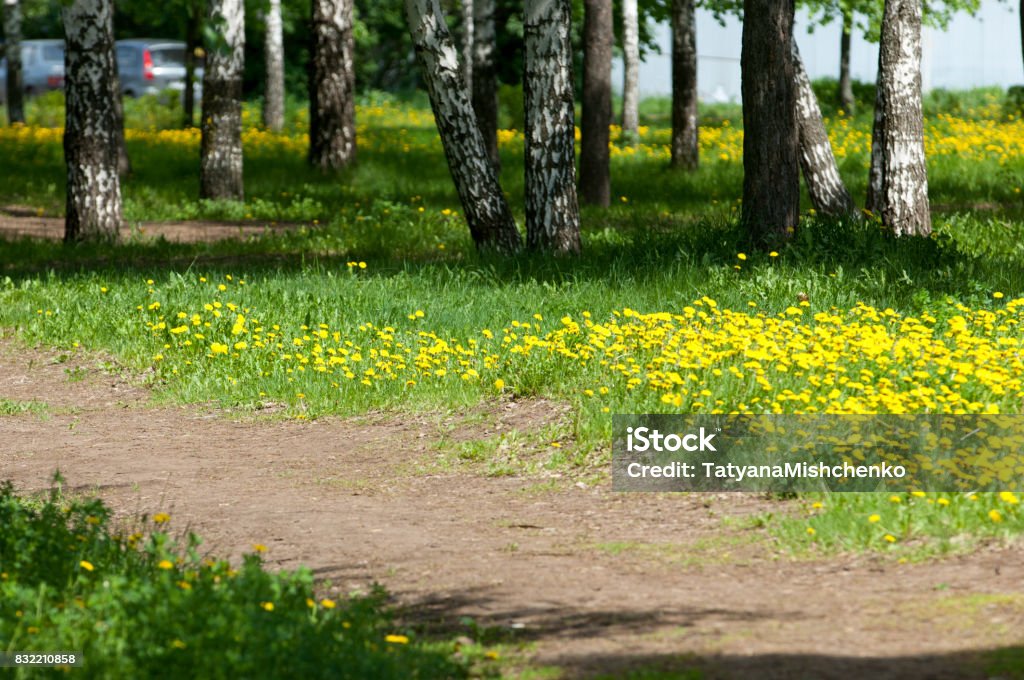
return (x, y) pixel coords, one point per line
(273, 96)
(332, 86)
(631, 70)
(93, 208)
(490, 220)
(220, 171)
(552, 208)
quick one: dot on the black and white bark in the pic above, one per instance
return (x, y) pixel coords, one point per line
(685, 146)
(899, 183)
(192, 29)
(220, 171)
(771, 165)
(273, 88)
(552, 209)
(828, 193)
(487, 212)
(846, 100)
(468, 38)
(93, 209)
(332, 85)
(485, 76)
(12, 51)
(598, 36)
(630, 71)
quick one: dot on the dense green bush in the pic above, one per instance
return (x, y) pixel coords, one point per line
(142, 606)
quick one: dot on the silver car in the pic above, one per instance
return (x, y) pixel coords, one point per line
(152, 66)
(42, 67)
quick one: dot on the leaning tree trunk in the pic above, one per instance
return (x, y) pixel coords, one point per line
(685, 147)
(771, 165)
(903, 199)
(273, 95)
(220, 171)
(93, 208)
(192, 29)
(485, 76)
(12, 51)
(829, 195)
(552, 209)
(846, 101)
(124, 163)
(468, 37)
(598, 34)
(332, 86)
(630, 71)
(490, 220)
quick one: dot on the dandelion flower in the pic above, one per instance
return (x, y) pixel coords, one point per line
(165, 564)
(1008, 497)
(875, 518)
(84, 564)
(327, 603)
(161, 518)
(397, 639)
(995, 516)
(268, 606)
(890, 538)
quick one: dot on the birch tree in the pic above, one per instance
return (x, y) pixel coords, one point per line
(598, 35)
(93, 209)
(898, 183)
(552, 209)
(485, 76)
(332, 84)
(12, 51)
(685, 145)
(828, 193)
(273, 47)
(487, 212)
(631, 70)
(771, 166)
(220, 172)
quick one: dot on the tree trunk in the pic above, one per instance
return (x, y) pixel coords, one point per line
(93, 208)
(846, 101)
(552, 209)
(12, 50)
(829, 195)
(490, 220)
(332, 85)
(902, 201)
(191, 43)
(685, 146)
(220, 172)
(124, 163)
(468, 38)
(771, 165)
(598, 35)
(630, 71)
(485, 76)
(273, 95)
(873, 202)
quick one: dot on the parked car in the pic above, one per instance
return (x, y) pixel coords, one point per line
(147, 66)
(42, 67)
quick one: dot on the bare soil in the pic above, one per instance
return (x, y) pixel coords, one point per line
(596, 582)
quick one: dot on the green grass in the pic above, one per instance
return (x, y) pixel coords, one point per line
(144, 605)
(10, 407)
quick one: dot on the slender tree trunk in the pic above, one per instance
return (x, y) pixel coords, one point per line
(685, 146)
(598, 35)
(771, 165)
(490, 220)
(873, 202)
(829, 195)
(902, 194)
(485, 76)
(273, 96)
(846, 101)
(552, 209)
(468, 39)
(12, 51)
(332, 86)
(93, 208)
(220, 172)
(191, 43)
(124, 163)
(631, 71)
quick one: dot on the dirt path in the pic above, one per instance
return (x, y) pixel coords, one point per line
(600, 582)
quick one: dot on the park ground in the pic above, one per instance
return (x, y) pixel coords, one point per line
(568, 578)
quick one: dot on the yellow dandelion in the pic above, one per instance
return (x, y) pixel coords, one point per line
(995, 516)
(890, 538)
(397, 639)
(161, 518)
(267, 606)
(1008, 497)
(875, 518)
(165, 564)
(328, 603)
(85, 564)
